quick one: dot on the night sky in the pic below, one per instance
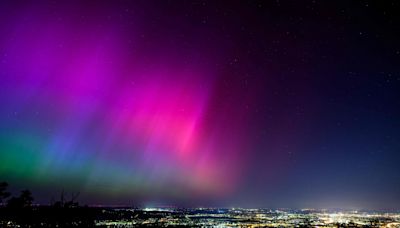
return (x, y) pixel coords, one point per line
(202, 103)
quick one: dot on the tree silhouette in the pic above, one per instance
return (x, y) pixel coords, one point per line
(26, 198)
(63, 203)
(23, 201)
(3, 191)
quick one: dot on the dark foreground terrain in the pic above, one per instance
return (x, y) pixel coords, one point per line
(46, 216)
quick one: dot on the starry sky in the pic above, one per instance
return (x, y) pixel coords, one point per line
(202, 103)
